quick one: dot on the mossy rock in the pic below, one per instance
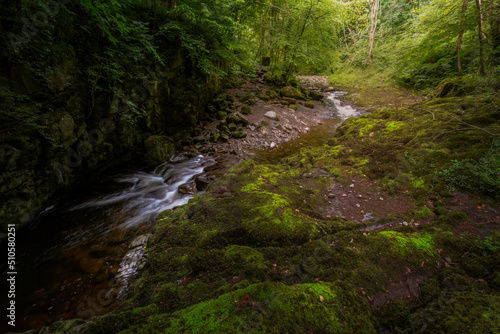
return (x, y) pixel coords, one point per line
(309, 104)
(291, 92)
(239, 134)
(221, 115)
(159, 149)
(248, 97)
(237, 118)
(272, 94)
(272, 308)
(246, 110)
(317, 96)
(263, 97)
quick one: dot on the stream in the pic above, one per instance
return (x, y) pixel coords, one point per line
(81, 255)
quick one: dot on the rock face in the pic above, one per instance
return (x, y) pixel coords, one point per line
(291, 92)
(159, 149)
(63, 136)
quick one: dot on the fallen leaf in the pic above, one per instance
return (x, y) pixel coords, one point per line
(321, 299)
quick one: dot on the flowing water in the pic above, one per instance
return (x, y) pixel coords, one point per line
(81, 255)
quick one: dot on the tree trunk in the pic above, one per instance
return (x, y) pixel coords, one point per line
(494, 14)
(480, 36)
(373, 18)
(460, 35)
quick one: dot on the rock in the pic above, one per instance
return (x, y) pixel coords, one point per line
(309, 104)
(224, 137)
(140, 241)
(317, 96)
(352, 185)
(247, 98)
(224, 130)
(232, 127)
(221, 114)
(272, 115)
(372, 134)
(272, 145)
(246, 110)
(291, 93)
(239, 134)
(237, 118)
(187, 189)
(271, 94)
(289, 100)
(201, 183)
(159, 149)
(263, 97)
(445, 88)
(280, 127)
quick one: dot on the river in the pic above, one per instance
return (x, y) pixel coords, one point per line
(80, 255)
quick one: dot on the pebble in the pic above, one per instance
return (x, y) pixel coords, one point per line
(352, 186)
(360, 196)
(344, 195)
(358, 206)
(405, 223)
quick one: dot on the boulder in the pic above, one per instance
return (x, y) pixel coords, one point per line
(272, 115)
(246, 110)
(309, 104)
(317, 96)
(291, 92)
(239, 134)
(289, 100)
(237, 118)
(272, 94)
(159, 149)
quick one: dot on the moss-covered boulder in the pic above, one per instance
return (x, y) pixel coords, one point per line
(246, 110)
(309, 104)
(291, 92)
(159, 149)
(237, 118)
(315, 95)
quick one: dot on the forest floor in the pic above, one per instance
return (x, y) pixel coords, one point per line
(390, 226)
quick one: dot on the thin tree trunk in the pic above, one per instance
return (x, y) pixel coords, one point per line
(494, 20)
(480, 36)
(373, 17)
(460, 35)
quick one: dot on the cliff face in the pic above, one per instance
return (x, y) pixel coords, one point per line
(57, 129)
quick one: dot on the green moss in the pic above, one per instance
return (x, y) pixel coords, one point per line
(423, 213)
(406, 244)
(269, 308)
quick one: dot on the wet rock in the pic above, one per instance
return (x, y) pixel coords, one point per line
(201, 183)
(272, 115)
(140, 241)
(187, 189)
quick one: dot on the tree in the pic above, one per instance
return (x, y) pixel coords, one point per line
(373, 19)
